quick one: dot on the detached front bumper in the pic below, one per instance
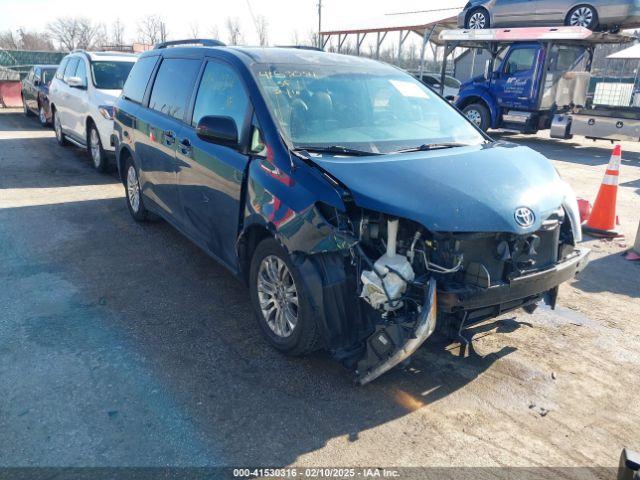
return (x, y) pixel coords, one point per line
(519, 290)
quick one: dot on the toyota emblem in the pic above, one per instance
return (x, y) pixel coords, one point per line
(524, 217)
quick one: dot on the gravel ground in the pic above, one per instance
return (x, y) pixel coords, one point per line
(124, 345)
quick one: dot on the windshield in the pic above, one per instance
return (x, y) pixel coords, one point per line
(373, 108)
(110, 75)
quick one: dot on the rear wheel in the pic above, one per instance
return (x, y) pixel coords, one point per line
(57, 127)
(95, 150)
(477, 19)
(582, 16)
(479, 115)
(135, 203)
(280, 302)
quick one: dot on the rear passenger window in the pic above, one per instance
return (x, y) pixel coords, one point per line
(61, 68)
(138, 79)
(173, 86)
(71, 68)
(221, 93)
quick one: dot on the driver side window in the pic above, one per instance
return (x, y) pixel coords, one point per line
(521, 60)
(221, 93)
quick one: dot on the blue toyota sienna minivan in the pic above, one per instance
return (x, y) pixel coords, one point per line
(361, 209)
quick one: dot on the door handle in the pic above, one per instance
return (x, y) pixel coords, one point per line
(169, 137)
(185, 146)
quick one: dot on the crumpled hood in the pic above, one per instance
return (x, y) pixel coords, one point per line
(466, 189)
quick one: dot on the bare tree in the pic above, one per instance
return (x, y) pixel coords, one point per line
(312, 39)
(23, 39)
(152, 29)
(76, 32)
(194, 30)
(262, 27)
(214, 32)
(34, 40)
(233, 30)
(8, 40)
(117, 33)
(295, 37)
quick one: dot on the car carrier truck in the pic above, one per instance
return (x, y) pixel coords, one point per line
(539, 79)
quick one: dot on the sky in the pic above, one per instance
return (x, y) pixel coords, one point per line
(284, 17)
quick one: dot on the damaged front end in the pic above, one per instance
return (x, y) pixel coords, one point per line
(398, 280)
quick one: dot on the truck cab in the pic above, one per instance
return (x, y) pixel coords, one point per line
(525, 84)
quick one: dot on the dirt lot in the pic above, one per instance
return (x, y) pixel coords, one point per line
(123, 344)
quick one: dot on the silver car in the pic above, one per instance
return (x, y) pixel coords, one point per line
(592, 14)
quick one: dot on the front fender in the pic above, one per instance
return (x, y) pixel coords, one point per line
(470, 95)
(287, 206)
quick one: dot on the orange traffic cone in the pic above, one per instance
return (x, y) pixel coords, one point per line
(602, 220)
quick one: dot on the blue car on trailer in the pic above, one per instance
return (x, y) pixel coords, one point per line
(361, 209)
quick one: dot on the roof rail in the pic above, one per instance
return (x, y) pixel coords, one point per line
(205, 42)
(302, 47)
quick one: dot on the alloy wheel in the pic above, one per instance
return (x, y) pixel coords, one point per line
(278, 296)
(94, 142)
(43, 116)
(581, 17)
(57, 127)
(477, 21)
(133, 189)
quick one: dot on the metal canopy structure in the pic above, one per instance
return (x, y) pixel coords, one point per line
(427, 24)
(478, 38)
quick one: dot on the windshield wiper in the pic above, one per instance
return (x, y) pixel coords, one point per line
(431, 146)
(336, 149)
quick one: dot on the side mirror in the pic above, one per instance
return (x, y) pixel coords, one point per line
(75, 82)
(218, 130)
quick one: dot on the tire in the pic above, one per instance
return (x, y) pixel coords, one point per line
(479, 115)
(582, 16)
(25, 108)
(42, 116)
(132, 185)
(477, 19)
(300, 339)
(95, 151)
(57, 128)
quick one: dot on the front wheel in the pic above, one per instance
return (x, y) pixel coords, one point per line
(278, 295)
(42, 116)
(96, 152)
(479, 115)
(582, 16)
(25, 108)
(478, 19)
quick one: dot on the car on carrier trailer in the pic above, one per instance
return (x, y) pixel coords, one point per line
(539, 79)
(361, 209)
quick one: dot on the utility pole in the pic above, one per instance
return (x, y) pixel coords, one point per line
(319, 23)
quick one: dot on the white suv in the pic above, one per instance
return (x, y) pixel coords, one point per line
(82, 95)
